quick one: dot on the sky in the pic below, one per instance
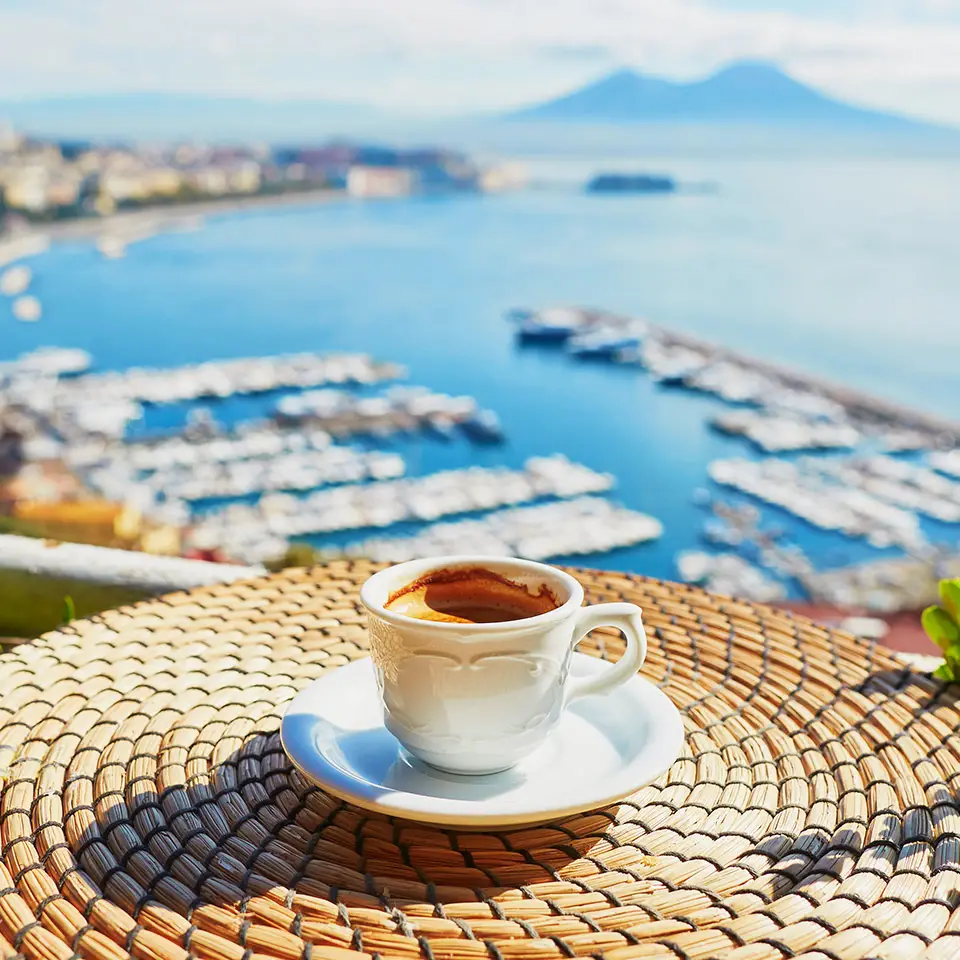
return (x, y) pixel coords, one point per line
(443, 57)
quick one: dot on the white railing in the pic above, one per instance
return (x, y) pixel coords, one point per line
(42, 583)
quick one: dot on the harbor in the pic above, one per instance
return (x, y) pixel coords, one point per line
(318, 463)
(243, 457)
(805, 490)
(314, 465)
(844, 464)
(254, 532)
(677, 359)
(401, 408)
(780, 433)
(728, 573)
(877, 497)
(219, 379)
(569, 528)
(247, 491)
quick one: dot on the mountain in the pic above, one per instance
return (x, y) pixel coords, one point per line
(148, 116)
(746, 92)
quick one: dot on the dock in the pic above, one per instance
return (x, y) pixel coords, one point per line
(858, 405)
(60, 411)
(728, 575)
(399, 409)
(780, 433)
(214, 380)
(310, 468)
(680, 359)
(883, 586)
(858, 498)
(575, 527)
(264, 529)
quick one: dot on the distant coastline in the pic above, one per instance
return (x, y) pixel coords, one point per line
(162, 215)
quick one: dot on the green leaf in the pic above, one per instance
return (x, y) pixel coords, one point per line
(943, 672)
(69, 610)
(940, 627)
(950, 597)
(952, 660)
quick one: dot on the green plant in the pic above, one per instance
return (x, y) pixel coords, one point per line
(296, 555)
(942, 625)
(69, 610)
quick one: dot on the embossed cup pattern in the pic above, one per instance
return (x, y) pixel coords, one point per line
(459, 706)
(478, 698)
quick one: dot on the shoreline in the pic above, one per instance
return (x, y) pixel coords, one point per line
(162, 215)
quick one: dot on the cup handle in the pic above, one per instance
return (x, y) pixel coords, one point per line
(625, 617)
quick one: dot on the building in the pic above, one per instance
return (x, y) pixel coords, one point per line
(363, 181)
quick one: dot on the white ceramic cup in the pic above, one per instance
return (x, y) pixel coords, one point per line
(475, 698)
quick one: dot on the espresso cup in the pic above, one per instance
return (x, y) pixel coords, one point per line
(475, 698)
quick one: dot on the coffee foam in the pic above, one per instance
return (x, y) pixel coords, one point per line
(470, 595)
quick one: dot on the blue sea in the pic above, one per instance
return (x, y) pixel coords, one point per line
(846, 267)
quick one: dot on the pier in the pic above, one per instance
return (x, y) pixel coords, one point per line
(400, 408)
(264, 529)
(816, 491)
(302, 482)
(780, 433)
(581, 526)
(309, 468)
(224, 378)
(858, 405)
(729, 575)
(680, 359)
(883, 586)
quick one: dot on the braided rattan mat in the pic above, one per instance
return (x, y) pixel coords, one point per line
(148, 808)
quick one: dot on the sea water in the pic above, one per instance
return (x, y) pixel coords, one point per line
(847, 268)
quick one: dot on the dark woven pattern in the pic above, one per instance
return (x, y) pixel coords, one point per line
(148, 808)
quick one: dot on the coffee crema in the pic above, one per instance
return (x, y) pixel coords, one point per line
(472, 595)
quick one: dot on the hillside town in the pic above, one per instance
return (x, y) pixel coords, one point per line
(44, 180)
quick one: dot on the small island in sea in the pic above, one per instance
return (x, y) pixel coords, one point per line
(631, 183)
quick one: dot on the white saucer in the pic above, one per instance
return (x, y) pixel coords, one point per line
(603, 749)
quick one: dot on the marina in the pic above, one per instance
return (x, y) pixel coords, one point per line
(224, 378)
(677, 359)
(730, 575)
(400, 408)
(883, 586)
(317, 463)
(101, 407)
(946, 461)
(903, 484)
(812, 493)
(265, 456)
(200, 479)
(779, 433)
(176, 442)
(875, 494)
(577, 527)
(255, 532)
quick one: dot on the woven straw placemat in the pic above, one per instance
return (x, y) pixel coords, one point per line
(148, 807)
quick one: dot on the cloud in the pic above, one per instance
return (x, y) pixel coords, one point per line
(577, 52)
(473, 54)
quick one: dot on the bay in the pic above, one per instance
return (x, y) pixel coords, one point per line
(843, 266)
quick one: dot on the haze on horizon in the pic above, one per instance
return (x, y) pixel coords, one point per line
(449, 57)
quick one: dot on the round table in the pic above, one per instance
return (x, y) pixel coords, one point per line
(148, 808)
